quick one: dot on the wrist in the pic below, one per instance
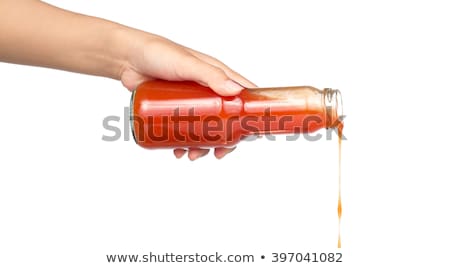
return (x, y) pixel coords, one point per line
(127, 42)
(117, 48)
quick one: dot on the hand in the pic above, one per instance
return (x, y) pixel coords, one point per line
(155, 57)
(74, 42)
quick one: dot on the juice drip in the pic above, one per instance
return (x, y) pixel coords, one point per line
(340, 127)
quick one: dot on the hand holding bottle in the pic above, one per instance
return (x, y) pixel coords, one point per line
(155, 57)
(56, 38)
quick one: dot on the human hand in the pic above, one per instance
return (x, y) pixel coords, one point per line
(84, 44)
(155, 57)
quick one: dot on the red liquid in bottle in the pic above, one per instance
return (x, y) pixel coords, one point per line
(188, 115)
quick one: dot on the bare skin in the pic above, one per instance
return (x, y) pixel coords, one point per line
(56, 38)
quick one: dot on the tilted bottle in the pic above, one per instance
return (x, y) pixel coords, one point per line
(187, 115)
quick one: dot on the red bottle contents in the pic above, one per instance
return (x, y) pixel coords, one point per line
(188, 115)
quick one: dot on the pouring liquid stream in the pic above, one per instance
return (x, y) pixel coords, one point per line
(340, 128)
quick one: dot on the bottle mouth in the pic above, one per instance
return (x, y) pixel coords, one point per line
(334, 107)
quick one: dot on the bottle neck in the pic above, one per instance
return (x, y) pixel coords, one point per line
(332, 101)
(292, 109)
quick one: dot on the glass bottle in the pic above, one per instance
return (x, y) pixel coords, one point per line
(187, 115)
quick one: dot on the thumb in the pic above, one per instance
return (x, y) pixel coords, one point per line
(211, 76)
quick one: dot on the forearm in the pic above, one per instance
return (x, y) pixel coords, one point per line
(35, 33)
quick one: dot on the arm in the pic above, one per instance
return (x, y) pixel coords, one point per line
(35, 33)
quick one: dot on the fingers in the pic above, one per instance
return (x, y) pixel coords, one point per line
(192, 68)
(221, 152)
(195, 154)
(179, 153)
(192, 155)
(228, 71)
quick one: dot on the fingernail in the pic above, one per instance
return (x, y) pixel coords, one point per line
(224, 152)
(230, 150)
(233, 87)
(203, 154)
(197, 155)
(179, 153)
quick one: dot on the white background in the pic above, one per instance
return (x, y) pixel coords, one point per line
(67, 198)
